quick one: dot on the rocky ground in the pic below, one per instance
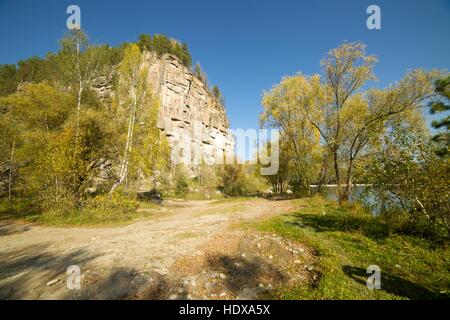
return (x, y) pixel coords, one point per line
(190, 250)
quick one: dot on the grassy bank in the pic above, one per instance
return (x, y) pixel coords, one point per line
(347, 240)
(103, 211)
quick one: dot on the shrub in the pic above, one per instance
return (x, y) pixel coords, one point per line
(181, 182)
(238, 180)
(411, 183)
(102, 209)
(207, 178)
(117, 204)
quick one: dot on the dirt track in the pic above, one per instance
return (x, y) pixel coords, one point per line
(186, 251)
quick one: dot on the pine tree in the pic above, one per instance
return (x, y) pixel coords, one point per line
(8, 79)
(442, 138)
(145, 42)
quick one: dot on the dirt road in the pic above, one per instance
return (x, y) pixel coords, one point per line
(189, 250)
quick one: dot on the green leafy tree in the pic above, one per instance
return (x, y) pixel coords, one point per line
(35, 69)
(289, 107)
(8, 79)
(80, 63)
(186, 55)
(145, 42)
(52, 168)
(349, 120)
(69, 161)
(144, 147)
(280, 181)
(410, 184)
(181, 181)
(200, 74)
(216, 91)
(161, 44)
(218, 94)
(132, 93)
(442, 104)
(8, 143)
(240, 179)
(207, 177)
(353, 120)
(232, 179)
(32, 116)
(151, 153)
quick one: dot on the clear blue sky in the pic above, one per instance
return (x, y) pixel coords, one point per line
(244, 46)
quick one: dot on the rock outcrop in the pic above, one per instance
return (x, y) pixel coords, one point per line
(194, 122)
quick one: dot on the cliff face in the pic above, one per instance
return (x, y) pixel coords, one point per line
(194, 122)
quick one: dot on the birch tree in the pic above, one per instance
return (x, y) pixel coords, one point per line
(80, 63)
(133, 93)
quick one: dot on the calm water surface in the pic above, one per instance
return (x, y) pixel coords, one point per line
(358, 194)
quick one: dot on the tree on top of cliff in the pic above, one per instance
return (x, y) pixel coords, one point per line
(218, 94)
(200, 74)
(161, 44)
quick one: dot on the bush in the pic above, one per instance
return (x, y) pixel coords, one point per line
(102, 209)
(16, 208)
(207, 178)
(118, 203)
(238, 180)
(411, 184)
(181, 182)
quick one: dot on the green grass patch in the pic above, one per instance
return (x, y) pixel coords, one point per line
(347, 241)
(103, 210)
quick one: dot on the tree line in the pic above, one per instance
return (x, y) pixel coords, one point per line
(161, 44)
(68, 152)
(63, 148)
(335, 129)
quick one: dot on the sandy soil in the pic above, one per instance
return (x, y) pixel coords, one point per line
(190, 250)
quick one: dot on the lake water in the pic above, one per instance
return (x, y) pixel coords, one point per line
(357, 195)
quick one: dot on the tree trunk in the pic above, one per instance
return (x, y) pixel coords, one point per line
(11, 169)
(124, 168)
(322, 177)
(348, 187)
(80, 91)
(337, 174)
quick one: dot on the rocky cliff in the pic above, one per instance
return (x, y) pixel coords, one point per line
(194, 122)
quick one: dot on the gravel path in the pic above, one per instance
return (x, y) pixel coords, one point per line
(135, 261)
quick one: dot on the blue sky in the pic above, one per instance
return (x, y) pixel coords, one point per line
(244, 46)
